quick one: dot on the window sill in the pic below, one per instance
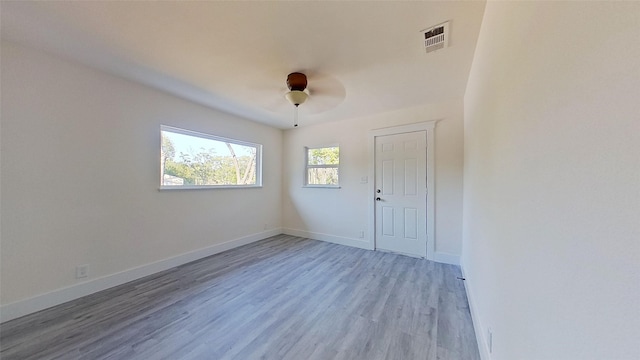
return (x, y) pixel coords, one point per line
(204, 187)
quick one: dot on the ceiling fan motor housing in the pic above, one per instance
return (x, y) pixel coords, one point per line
(297, 81)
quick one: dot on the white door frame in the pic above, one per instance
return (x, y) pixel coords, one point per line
(429, 127)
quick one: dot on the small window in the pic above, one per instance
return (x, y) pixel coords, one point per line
(190, 159)
(322, 166)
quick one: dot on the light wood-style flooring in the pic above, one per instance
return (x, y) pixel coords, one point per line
(281, 298)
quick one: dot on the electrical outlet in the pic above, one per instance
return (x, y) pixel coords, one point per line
(490, 340)
(82, 271)
(265, 226)
(361, 234)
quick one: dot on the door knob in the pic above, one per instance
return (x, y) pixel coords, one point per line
(378, 199)
(378, 191)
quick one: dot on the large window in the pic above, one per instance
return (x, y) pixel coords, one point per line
(322, 166)
(190, 159)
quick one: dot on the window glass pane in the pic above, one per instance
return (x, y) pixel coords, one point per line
(322, 176)
(192, 160)
(323, 156)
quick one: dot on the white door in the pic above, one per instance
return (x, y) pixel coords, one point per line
(401, 189)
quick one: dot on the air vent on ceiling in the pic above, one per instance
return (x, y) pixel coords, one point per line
(436, 37)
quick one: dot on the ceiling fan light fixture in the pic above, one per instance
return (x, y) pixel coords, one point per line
(296, 97)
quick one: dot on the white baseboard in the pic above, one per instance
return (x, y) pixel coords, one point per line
(477, 324)
(40, 302)
(354, 242)
(446, 258)
(362, 244)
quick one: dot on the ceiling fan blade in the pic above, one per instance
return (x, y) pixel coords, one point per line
(325, 93)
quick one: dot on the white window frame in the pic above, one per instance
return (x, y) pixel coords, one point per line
(307, 167)
(258, 147)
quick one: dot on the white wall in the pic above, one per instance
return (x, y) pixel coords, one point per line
(552, 180)
(80, 177)
(340, 214)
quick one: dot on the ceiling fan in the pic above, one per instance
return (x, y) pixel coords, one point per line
(297, 83)
(324, 93)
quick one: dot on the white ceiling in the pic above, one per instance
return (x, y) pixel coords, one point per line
(360, 57)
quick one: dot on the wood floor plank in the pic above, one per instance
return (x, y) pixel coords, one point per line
(281, 298)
